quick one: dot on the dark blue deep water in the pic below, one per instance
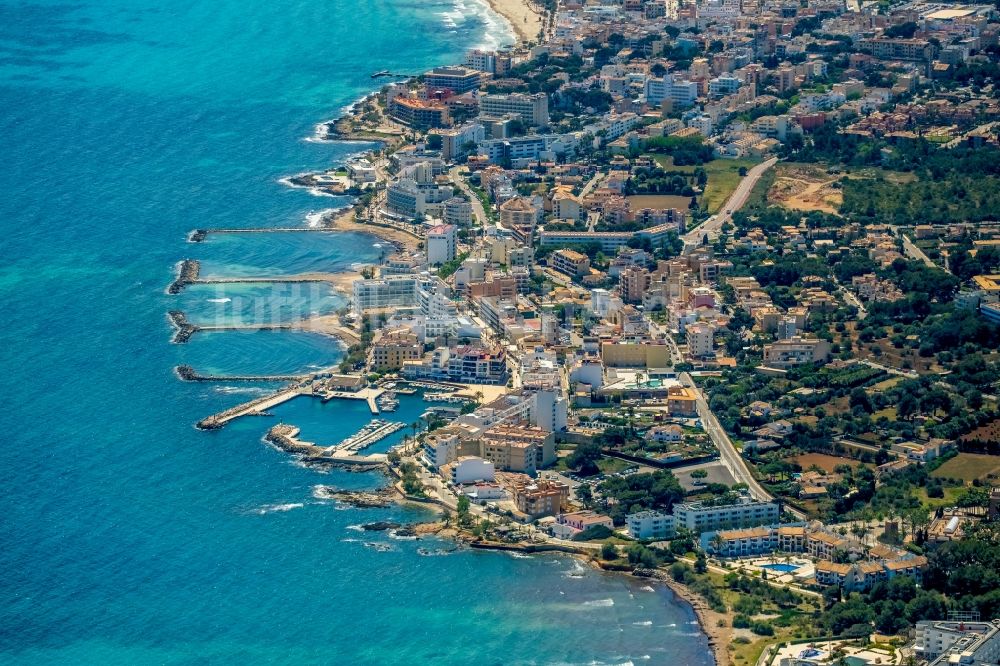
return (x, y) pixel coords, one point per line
(128, 537)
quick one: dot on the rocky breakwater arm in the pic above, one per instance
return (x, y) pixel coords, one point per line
(187, 273)
(362, 499)
(183, 328)
(257, 406)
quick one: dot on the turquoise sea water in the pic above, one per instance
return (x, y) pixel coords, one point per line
(128, 537)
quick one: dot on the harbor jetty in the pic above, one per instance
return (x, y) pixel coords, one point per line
(324, 324)
(183, 329)
(188, 374)
(198, 235)
(187, 273)
(285, 437)
(296, 278)
(256, 407)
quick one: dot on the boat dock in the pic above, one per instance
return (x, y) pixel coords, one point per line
(285, 437)
(446, 397)
(370, 395)
(435, 386)
(373, 432)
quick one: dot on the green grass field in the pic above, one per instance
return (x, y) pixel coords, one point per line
(968, 467)
(666, 163)
(723, 177)
(950, 495)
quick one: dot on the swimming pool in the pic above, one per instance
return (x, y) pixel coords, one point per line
(783, 568)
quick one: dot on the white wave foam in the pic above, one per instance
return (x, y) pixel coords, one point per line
(497, 32)
(643, 623)
(517, 555)
(278, 508)
(647, 588)
(600, 603)
(240, 390)
(397, 537)
(322, 492)
(356, 528)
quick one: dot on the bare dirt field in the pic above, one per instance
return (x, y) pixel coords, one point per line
(806, 187)
(821, 460)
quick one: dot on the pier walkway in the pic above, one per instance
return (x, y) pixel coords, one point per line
(325, 324)
(198, 235)
(256, 407)
(188, 374)
(264, 279)
(367, 394)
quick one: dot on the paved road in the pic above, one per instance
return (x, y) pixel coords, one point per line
(736, 201)
(909, 374)
(913, 252)
(477, 205)
(853, 300)
(728, 454)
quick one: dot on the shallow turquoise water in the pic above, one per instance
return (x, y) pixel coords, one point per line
(127, 536)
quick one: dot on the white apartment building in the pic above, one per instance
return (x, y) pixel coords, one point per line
(409, 198)
(533, 110)
(442, 243)
(723, 85)
(684, 93)
(703, 123)
(796, 351)
(650, 525)
(441, 447)
(701, 517)
(390, 291)
(700, 340)
(471, 469)
(459, 141)
(457, 211)
(480, 60)
(955, 642)
(773, 126)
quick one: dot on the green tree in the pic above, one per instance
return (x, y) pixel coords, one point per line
(463, 509)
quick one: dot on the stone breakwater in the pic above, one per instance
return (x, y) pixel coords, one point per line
(363, 499)
(187, 274)
(256, 407)
(188, 374)
(183, 330)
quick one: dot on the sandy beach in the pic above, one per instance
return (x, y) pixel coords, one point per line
(522, 16)
(717, 626)
(346, 221)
